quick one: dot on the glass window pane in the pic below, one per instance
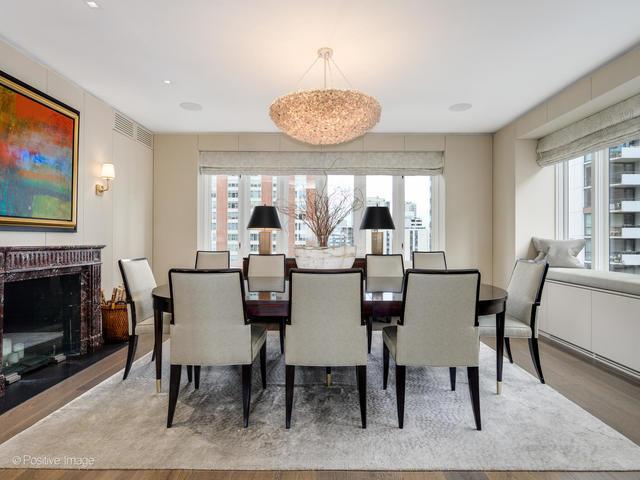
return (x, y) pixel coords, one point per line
(298, 234)
(341, 196)
(262, 191)
(417, 214)
(624, 207)
(380, 193)
(579, 195)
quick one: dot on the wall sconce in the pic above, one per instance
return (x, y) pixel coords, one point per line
(108, 173)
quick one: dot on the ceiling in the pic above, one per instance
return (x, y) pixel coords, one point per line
(234, 57)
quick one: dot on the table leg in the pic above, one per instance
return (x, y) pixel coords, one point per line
(499, 349)
(157, 328)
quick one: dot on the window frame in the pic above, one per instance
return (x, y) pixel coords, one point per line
(359, 236)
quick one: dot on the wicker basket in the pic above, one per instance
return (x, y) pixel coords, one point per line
(115, 322)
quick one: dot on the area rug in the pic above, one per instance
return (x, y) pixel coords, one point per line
(121, 425)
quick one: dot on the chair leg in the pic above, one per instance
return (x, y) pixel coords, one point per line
(289, 381)
(369, 333)
(153, 354)
(385, 365)
(361, 374)
(189, 373)
(401, 372)
(263, 364)
(131, 353)
(535, 356)
(174, 388)
(246, 393)
(283, 326)
(196, 376)
(328, 376)
(474, 390)
(452, 377)
(507, 347)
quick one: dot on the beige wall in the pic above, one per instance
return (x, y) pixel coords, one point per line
(468, 203)
(121, 219)
(524, 193)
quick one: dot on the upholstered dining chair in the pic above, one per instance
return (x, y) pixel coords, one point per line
(432, 260)
(138, 281)
(272, 267)
(391, 265)
(524, 296)
(326, 327)
(384, 273)
(212, 260)
(266, 265)
(210, 328)
(438, 328)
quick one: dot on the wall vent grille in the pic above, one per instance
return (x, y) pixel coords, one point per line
(123, 125)
(144, 136)
(132, 130)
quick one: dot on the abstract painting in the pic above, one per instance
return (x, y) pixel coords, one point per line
(38, 159)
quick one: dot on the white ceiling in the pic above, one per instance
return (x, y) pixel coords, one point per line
(235, 56)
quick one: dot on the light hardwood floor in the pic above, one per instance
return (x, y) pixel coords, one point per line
(606, 395)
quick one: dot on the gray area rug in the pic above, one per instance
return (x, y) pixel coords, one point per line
(121, 425)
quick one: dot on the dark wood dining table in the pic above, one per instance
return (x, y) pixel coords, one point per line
(268, 298)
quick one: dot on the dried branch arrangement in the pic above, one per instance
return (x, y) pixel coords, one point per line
(322, 212)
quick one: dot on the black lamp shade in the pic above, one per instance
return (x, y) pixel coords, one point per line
(264, 216)
(377, 218)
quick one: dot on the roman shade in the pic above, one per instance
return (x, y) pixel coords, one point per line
(613, 125)
(322, 163)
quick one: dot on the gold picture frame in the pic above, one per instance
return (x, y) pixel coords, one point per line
(39, 145)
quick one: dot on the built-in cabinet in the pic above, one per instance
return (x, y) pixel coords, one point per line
(606, 324)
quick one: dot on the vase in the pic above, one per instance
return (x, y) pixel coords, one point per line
(325, 257)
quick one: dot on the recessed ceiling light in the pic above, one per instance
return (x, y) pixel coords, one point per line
(92, 4)
(166, 82)
(460, 107)
(191, 106)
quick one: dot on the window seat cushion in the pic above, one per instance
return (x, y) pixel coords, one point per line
(613, 281)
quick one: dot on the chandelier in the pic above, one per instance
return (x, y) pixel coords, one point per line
(326, 116)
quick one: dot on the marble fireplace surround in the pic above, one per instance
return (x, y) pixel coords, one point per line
(26, 263)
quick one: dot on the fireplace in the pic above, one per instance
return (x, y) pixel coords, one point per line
(49, 306)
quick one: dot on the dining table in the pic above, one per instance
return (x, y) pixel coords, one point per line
(268, 297)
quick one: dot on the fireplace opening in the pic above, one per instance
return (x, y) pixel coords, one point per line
(41, 322)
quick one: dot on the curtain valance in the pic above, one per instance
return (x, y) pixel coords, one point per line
(322, 163)
(613, 125)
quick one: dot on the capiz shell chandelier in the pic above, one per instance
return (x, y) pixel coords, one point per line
(326, 116)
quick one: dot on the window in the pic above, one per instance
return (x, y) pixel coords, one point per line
(227, 201)
(380, 193)
(579, 192)
(624, 207)
(417, 215)
(599, 200)
(339, 188)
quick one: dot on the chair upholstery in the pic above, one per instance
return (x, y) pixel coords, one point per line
(438, 326)
(266, 265)
(138, 282)
(209, 319)
(435, 260)
(212, 260)
(384, 265)
(513, 328)
(325, 318)
(524, 291)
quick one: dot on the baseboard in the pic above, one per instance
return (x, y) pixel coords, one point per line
(609, 365)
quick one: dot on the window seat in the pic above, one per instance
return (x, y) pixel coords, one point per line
(613, 281)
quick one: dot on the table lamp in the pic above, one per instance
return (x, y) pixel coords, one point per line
(264, 218)
(377, 218)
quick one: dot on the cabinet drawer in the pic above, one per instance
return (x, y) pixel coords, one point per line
(567, 314)
(616, 328)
